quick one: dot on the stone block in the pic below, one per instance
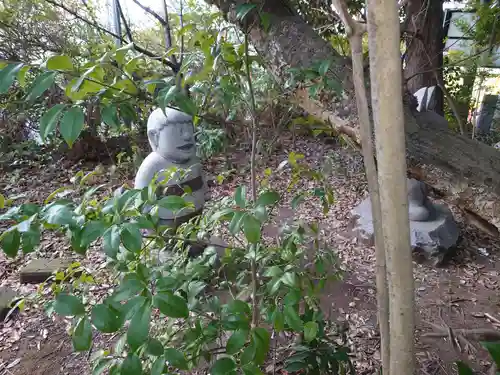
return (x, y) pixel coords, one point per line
(39, 270)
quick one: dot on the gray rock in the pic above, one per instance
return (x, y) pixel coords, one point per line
(432, 238)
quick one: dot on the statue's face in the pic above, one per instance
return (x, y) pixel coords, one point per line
(176, 142)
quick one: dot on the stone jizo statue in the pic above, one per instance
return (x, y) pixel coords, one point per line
(171, 137)
(418, 204)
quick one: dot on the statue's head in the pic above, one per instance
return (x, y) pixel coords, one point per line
(171, 134)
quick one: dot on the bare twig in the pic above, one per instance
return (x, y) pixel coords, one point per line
(151, 11)
(125, 23)
(181, 20)
(492, 318)
(103, 29)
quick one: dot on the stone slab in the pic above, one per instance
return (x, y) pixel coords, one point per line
(7, 295)
(39, 270)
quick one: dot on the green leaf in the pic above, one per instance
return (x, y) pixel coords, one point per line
(323, 68)
(131, 365)
(10, 242)
(298, 199)
(111, 241)
(261, 214)
(279, 321)
(8, 75)
(106, 319)
(265, 21)
(158, 366)
(2, 201)
(61, 62)
(30, 239)
(82, 335)
(109, 115)
(166, 96)
(173, 203)
(138, 330)
(240, 196)
(295, 367)
(261, 338)
(92, 230)
(68, 305)
(21, 76)
(72, 124)
(236, 341)
(186, 104)
(224, 366)
(171, 305)
(58, 214)
(464, 369)
(310, 331)
(130, 286)
(290, 279)
(49, 120)
(292, 318)
(494, 350)
(251, 228)
(243, 10)
(236, 221)
(155, 347)
(268, 198)
(176, 359)
(122, 52)
(40, 85)
(131, 237)
(313, 90)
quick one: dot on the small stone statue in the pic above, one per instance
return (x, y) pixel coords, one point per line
(418, 203)
(426, 97)
(171, 137)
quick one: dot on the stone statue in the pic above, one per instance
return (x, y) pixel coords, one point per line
(419, 207)
(171, 137)
(433, 230)
(426, 97)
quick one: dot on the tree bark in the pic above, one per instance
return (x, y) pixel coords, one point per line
(424, 42)
(460, 167)
(355, 32)
(388, 114)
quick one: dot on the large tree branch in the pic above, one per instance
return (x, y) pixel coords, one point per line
(462, 167)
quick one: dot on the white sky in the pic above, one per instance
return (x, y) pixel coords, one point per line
(134, 13)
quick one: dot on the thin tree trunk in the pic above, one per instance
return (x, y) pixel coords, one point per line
(355, 32)
(371, 175)
(386, 84)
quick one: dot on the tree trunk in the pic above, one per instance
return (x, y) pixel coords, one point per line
(460, 167)
(388, 114)
(355, 31)
(424, 41)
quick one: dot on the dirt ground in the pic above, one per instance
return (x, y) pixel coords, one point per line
(462, 294)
